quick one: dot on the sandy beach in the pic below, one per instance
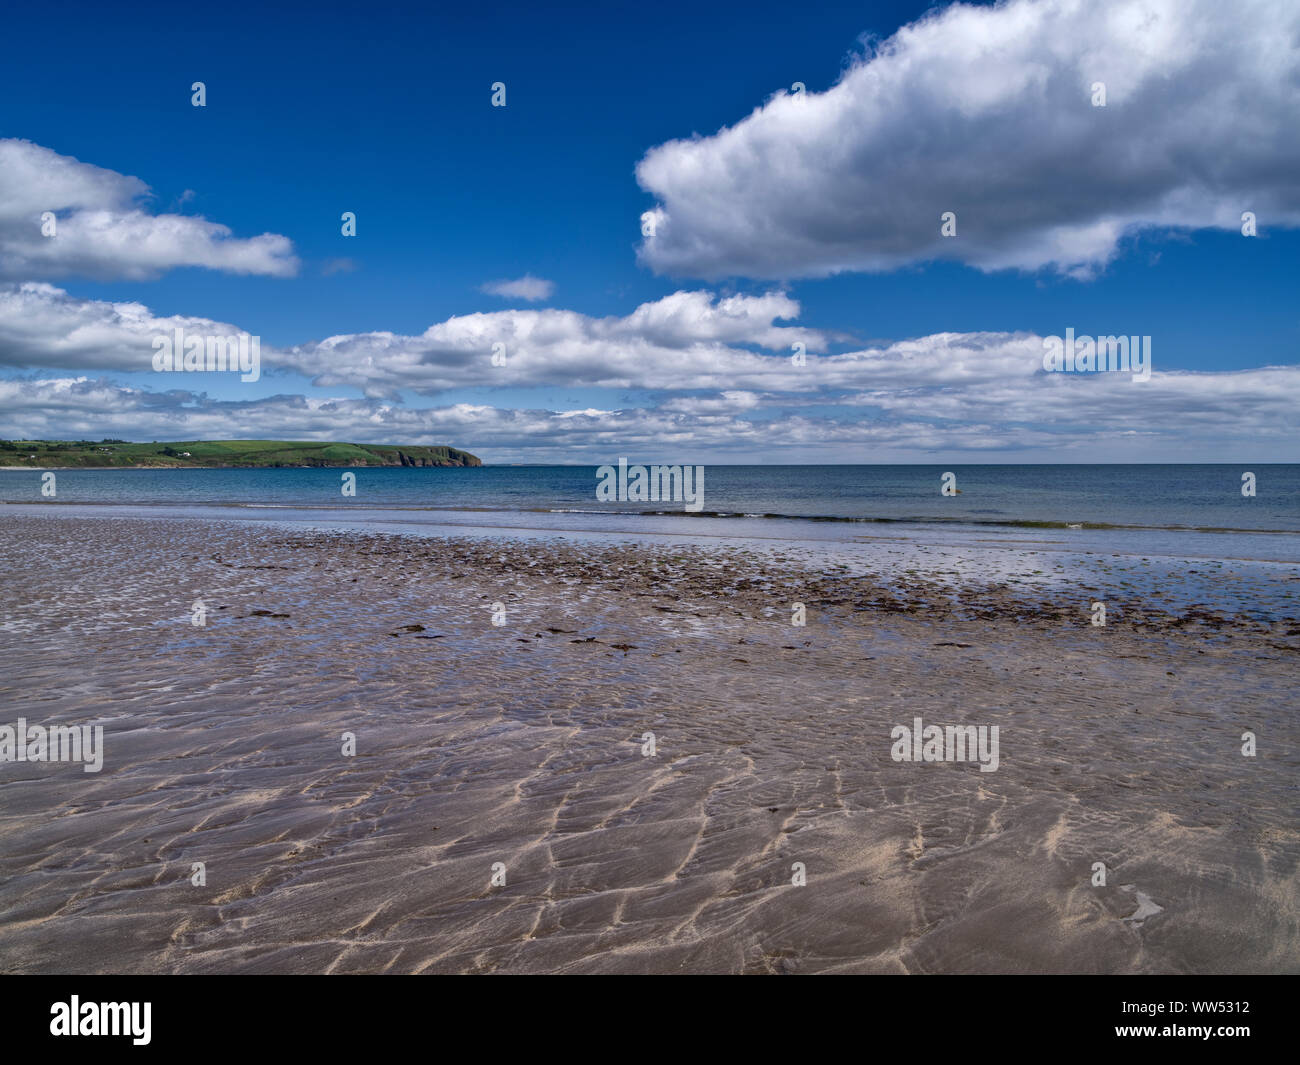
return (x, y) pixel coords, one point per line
(645, 753)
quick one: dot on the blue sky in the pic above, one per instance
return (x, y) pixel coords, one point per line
(385, 111)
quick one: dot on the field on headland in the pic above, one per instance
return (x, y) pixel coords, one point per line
(184, 454)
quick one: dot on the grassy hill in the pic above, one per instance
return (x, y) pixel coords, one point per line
(238, 453)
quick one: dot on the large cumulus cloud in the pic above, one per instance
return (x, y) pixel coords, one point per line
(987, 112)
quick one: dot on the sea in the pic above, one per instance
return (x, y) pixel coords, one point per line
(1182, 523)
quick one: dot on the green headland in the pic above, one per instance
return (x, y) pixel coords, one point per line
(225, 453)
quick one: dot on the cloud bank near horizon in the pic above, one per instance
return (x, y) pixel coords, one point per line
(717, 372)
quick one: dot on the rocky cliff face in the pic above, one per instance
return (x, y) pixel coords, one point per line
(454, 458)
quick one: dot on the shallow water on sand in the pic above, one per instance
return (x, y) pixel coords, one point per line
(522, 744)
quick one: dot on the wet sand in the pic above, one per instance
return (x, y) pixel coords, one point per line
(522, 744)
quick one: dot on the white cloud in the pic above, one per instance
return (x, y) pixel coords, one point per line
(102, 233)
(685, 340)
(42, 327)
(527, 288)
(1191, 417)
(729, 402)
(975, 393)
(987, 112)
(1174, 417)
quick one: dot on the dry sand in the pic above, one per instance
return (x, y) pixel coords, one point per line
(522, 744)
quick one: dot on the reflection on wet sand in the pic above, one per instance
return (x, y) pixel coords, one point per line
(525, 744)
